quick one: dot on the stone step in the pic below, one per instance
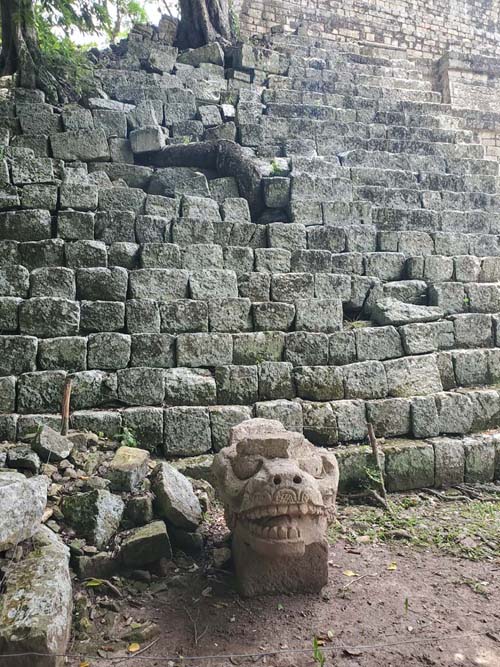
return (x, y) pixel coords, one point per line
(427, 163)
(430, 181)
(194, 430)
(411, 198)
(337, 126)
(478, 224)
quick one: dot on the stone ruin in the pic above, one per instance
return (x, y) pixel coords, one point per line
(301, 229)
(279, 495)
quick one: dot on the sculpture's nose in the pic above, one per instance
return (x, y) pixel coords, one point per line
(287, 480)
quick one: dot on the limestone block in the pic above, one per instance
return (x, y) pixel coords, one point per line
(187, 431)
(102, 315)
(306, 349)
(141, 386)
(186, 386)
(272, 260)
(23, 501)
(146, 423)
(479, 460)
(238, 259)
(342, 348)
(255, 286)
(67, 353)
(29, 225)
(96, 421)
(230, 315)
(390, 417)
(84, 145)
(48, 317)
(184, 316)
(92, 389)
(413, 376)
(95, 515)
(409, 465)
(378, 343)
(213, 283)
(319, 315)
(47, 601)
(155, 230)
(53, 281)
(128, 469)
(455, 413)
(75, 225)
(86, 254)
(108, 351)
(147, 139)
(366, 379)
(289, 287)
(319, 383)
(17, 354)
(156, 350)
(471, 367)
(201, 349)
(102, 284)
(449, 455)
(351, 420)
(202, 256)
(175, 500)
(142, 316)
(288, 413)
(112, 225)
(159, 284)
(237, 384)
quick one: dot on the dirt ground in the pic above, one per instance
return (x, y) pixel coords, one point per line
(419, 586)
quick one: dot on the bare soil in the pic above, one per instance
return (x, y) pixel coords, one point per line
(420, 586)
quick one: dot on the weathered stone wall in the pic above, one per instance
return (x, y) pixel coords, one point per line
(423, 27)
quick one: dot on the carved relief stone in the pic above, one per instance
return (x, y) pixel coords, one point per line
(279, 495)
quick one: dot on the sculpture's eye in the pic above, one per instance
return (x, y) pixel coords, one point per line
(245, 467)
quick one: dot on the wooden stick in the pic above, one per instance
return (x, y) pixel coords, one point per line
(65, 406)
(376, 455)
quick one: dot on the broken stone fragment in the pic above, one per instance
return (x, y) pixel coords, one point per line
(36, 605)
(145, 545)
(128, 469)
(95, 515)
(22, 503)
(175, 499)
(51, 446)
(23, 458)
(392, 311)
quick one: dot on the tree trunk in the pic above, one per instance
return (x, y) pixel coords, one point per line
(203, 21)
(21, 53)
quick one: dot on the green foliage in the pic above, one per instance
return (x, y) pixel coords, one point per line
(126, 438)
(66, 60)
(318, 655)
(234, 21)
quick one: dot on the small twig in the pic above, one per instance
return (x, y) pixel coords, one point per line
(197, 637)
(65, 406)
(376, 455)
(355, 581)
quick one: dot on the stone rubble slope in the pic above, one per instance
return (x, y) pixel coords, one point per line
(179, 310)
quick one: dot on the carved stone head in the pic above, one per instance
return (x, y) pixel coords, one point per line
(278, 489)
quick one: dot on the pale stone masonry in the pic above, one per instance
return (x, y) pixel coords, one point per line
(305, 232)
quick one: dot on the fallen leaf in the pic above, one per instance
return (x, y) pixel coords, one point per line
(392, 567)
(85, 663)
(330, 635)
(94, 582)
(207, 592)
(133, 648)
(280, 607)
(349, 573)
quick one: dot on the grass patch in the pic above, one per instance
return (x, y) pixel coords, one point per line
(470, 530)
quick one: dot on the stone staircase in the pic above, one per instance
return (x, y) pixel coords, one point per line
(368, 290)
